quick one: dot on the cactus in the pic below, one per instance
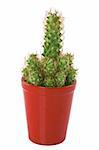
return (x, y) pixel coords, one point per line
(60, 79)
(65, 61)
(32, 71)
(71, 76)
(49, 82)
(49, 66)
(52, 47)
(54, 69)
(52, 40)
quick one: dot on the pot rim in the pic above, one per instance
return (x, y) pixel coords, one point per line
(49, 88)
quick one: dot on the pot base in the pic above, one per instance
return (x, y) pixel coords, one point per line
(47, 144)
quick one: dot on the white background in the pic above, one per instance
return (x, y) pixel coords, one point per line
(21, 32)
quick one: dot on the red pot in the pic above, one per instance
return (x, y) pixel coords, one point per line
(47, 111)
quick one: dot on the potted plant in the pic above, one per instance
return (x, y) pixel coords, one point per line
(48, 85)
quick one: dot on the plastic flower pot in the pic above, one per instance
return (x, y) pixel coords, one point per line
(47, 111)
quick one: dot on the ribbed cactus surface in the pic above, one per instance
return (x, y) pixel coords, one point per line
(53, 36)
(32, 71)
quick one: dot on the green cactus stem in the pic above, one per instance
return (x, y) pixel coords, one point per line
(60, 79)
(53, 36)
(49, 66)
(65, 61)
(32, 71)
(49, 82)
(71, 76)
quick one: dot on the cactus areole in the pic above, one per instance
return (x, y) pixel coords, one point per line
(48, 85)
